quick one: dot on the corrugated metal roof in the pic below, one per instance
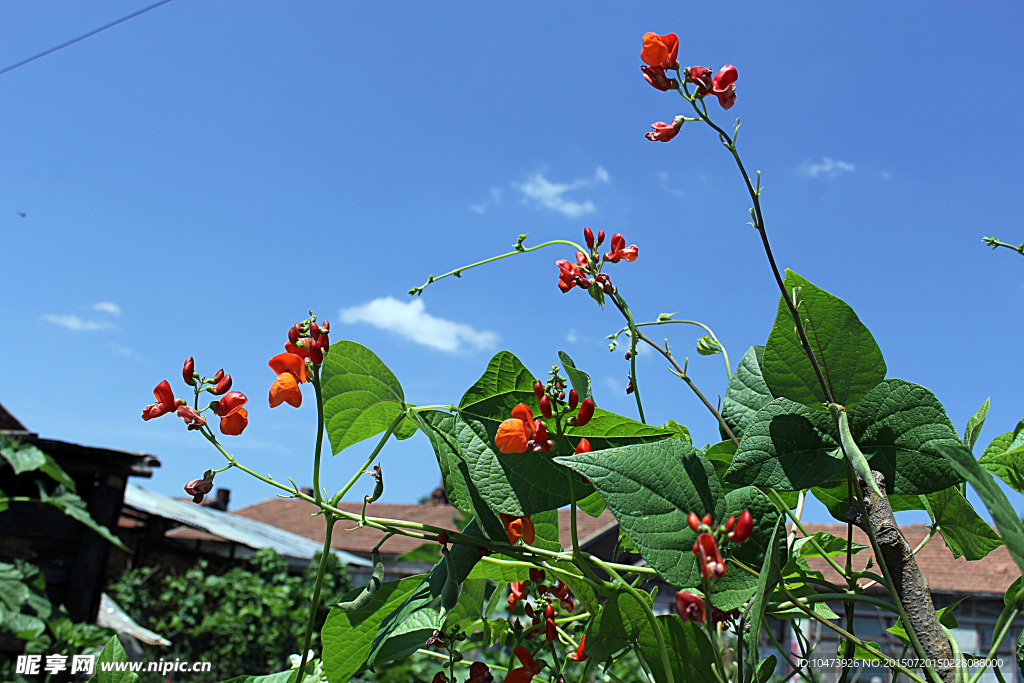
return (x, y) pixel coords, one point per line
(248, 532)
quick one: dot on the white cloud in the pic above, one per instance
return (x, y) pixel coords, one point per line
(410, 320)
(73, 322)
(126, 352)
(494, 198)
(828, 168)
(572, 337)
(886, 175)
(107, 307)
(543, 193)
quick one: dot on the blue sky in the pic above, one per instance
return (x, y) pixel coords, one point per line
(197, 178)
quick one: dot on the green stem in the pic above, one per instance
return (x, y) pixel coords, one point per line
(959, 671)
(634, 333)
(651, 619)
(325, 556)
(520, 250)
(725, 354)
(643, 663)
(1003, 626)
(319, 433)
(875, 652)
(369, 461)
(781, 504)
(785, 654)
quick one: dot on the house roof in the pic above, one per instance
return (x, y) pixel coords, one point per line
(992, 574)
(295, 516)
(214, 524)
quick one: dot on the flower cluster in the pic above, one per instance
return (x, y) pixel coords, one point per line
(705, 548)
(548, 596)
(307, 343)
(586, 273)
(692, 607)
(233, 417)
(478, 673)
(658, 54)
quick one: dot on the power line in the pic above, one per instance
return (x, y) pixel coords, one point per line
(82, 37)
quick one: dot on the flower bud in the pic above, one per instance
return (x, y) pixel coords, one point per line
(583, 447)
(549, 611)
(744, 527)
(536, 575)
(442, 538)
(550, 632)
(693, 520)
(187, 370)
(629, 354)
(588, 235)
(538, 389)
(577, 656)
(545, 406)
(730, 523)
(217, 377)
(574, 399)
(706, 519)
(586, 412)
(314, 331)
(223, 386)
(600, 238)
(582, 259)
(629, 384)
(294, 333)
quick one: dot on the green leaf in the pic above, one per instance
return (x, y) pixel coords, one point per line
(964, 531)
(23, 457)
(545, 525)
(1011, 592)
(505, 383)
(616, 626)
(428, 552)
(24, 626)
(767, 579)
(593, 504)
(786, 446)
(1010, 527)
(834, 497)
(689, 652)
(900, 426)
(608, 430)
(747, 393)
(975, 424)
(442, 430)
(721, 456)
(766, 668)
(847, 354)
(1020, 651)
(310, 676)
(407, 627)
(361, 396)
(1004, 457)
(832, 545)
(511, 483)
(112, 652)
(579, 379)
(498, 568)
(74, 507)
(651, 488)
(679, 431)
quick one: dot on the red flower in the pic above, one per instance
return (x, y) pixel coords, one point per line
(657, 78)
(620, 250)
(197, 488)
(570, 276)
(583, 447)
(191, 417)
(526, 672)
(574, 399)
(693, 520)
(663, 132)
(479, 673)
(291, 371)
(518, 593)
(518, 527)
(223, 386)
(701, 77)
(708, 557)
(690, 606)
(579, 655)
(233, 417)
(724, 86)
(660, 51)
(515, 433)
(165, 402)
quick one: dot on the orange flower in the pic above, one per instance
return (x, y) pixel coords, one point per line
(660, 51)
(518, 527)
(526, 672)
(233, 417)
(165, 402)
(514, 434)
(291, 371)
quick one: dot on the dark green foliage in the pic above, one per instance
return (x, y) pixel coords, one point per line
(247, 620)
